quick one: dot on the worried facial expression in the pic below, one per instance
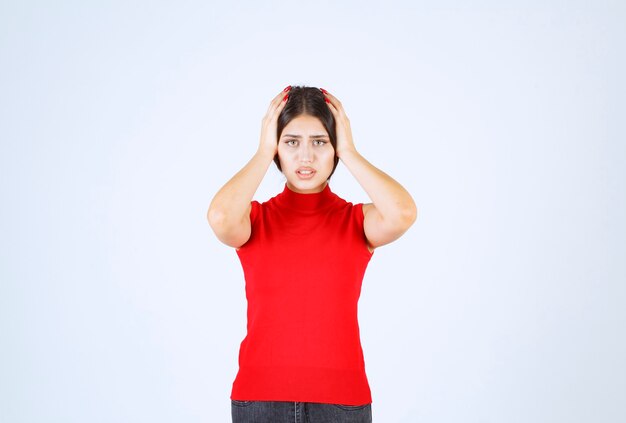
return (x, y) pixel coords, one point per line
(306, 155)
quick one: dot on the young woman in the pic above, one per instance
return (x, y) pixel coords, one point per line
(304, 253)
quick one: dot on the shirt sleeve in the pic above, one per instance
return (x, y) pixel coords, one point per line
(255, 211)
(359, 219)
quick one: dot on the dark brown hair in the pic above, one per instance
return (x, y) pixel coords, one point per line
(307, 101)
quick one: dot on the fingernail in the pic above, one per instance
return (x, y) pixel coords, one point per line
(286, 97)
(323, 90)
(287, 88)
(326, 100)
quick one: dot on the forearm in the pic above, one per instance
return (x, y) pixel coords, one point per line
(231, 203)
(392, 201)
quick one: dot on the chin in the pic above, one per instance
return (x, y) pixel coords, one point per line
(307, 186)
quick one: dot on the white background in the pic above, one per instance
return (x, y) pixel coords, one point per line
(505, 120)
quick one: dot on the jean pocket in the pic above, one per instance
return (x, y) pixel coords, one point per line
(239, 403)
(352, 407)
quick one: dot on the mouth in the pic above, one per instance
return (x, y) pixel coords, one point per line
(305, 172)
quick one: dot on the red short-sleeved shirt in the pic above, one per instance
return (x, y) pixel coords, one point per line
(304, 265)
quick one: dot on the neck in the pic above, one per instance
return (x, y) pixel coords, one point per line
(307, 202)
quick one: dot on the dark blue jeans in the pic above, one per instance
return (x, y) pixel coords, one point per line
(298, 412)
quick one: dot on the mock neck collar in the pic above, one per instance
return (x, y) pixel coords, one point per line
(307, 202)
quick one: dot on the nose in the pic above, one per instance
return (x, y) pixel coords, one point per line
(306, 153)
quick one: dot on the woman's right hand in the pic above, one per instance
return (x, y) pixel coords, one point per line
(269, 126)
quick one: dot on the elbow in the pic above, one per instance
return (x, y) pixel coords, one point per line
(408, 215)
(216, 218)
(230, 232)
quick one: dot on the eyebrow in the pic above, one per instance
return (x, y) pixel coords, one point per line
(299, 136)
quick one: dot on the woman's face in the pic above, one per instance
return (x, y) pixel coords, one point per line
(306, 155)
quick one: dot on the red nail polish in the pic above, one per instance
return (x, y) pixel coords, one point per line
(323, 90)
(286, 97)
(287, 88)
(326, 100)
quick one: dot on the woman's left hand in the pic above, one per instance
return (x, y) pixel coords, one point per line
(342, 124)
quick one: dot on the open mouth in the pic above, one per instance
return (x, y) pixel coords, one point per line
(305, 172)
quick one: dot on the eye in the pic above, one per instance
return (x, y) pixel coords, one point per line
(291, 142)
(319, 142)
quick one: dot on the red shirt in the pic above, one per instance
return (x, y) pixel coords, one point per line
(304, 265)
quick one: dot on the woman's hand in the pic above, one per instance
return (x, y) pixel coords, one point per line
(269, 126)
(344, 132)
